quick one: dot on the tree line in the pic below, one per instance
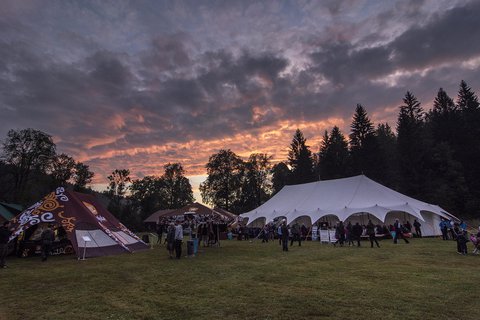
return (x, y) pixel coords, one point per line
(432, 155)
(132, 201)
(30, 167)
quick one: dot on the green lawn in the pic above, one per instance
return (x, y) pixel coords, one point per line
(426, 279)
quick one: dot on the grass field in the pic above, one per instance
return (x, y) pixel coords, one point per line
(426, 279)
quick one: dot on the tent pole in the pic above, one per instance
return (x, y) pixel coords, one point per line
(258, 236)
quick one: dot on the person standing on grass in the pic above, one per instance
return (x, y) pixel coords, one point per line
(304, 232)
(462, 239)
(371, 234)
(443, 226)
(348, 234)
(47, 240)
(476, 242)
(340, 234)
(279, 234)
(398, 228)
(408, 226)
(417, 226)
(296, 234)
(265, 234)
(284, 235)
(4, 237)
(170, 239)
(178, 239)
(357, 231)
(159, 230)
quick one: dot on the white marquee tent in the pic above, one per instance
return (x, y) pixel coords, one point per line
(355, 198)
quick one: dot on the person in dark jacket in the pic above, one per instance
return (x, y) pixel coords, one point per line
(349, 234)
(408, 226)
(285, 236)
(398, 228)
(417, 226)
(47, 237)
(171, 240)
(462, 239)
(4, 237)
(340, 234)
(160, 230)
(357, 231)
(296, 234)
(371, 234)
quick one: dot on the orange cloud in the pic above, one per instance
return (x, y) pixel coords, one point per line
(274, 140)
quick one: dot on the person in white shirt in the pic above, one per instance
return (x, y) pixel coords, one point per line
(178, 239)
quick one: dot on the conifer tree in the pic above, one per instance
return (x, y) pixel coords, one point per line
(333, 156)
(363, 145)
(443, 119)
(411, 145)
(280, 175)
(468, 146)
(467, 99)
(388, 156)
(300, 160)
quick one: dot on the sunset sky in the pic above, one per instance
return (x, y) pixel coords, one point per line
(138, 84)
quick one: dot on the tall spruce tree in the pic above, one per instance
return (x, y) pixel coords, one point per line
(388, 156)
(468, 146)
(361, 128)
(280, 174)
(411, 145)
(363, 145)
(444, 119)
(300, 160)
(467, 99)
(333, 159)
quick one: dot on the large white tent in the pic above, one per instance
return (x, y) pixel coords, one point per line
(347, 199)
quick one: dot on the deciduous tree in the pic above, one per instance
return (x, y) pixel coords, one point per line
(25, 151)
(177, 188)
(222, 186)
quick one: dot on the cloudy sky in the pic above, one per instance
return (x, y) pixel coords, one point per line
(138, 84)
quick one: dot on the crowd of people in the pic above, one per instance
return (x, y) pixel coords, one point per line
(204, 228)
(207, 230)
(47, 236)
(457, 231)
(351, 234)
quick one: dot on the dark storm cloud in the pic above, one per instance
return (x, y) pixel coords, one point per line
(439, 41)
(167, 53)
(453, 36)
(107, 68)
